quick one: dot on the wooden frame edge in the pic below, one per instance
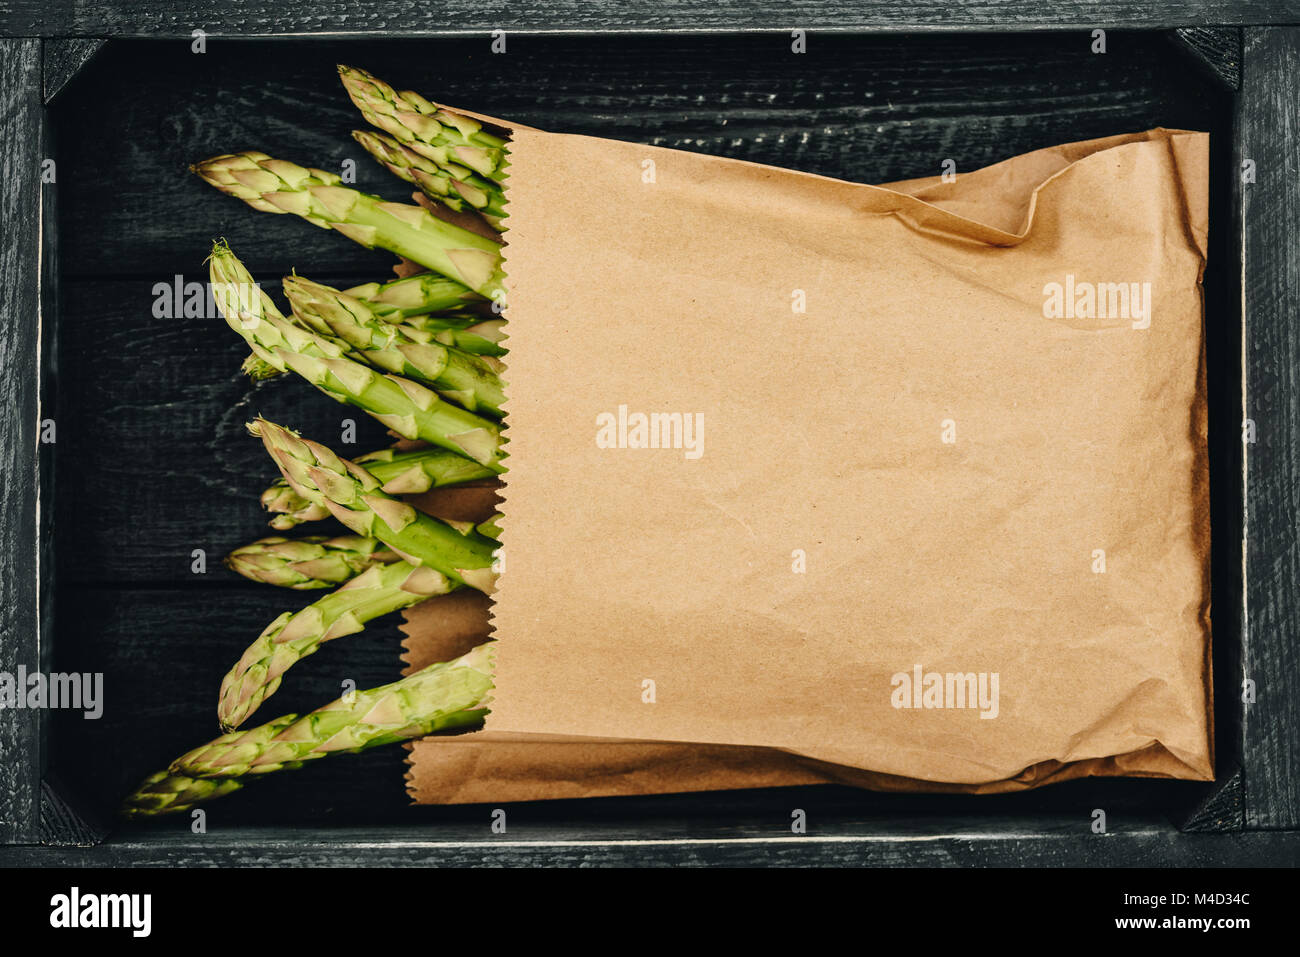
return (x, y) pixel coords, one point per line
(22, 150)
(1262, 794)
(1268, 144)
(346, 18)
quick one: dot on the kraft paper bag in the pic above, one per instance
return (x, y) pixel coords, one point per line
(926, 451)
(502, 767)
(483, 766)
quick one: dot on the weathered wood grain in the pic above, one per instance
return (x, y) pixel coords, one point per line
(1221, 809)
(63, 59)
(1216, 50)
(1036, 841)
(871, 109)
(61, 823)
(22, 144)
(1270, 137)
(263, 17)
(47, 397)
(153, 454)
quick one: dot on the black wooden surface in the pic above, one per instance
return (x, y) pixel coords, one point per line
(22, 142)
(62, 59)
(1216, 49)
(153, 462)
(741, 840)
(242, 18)
(1270, 135)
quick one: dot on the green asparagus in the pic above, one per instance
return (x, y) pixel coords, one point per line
(401, 473)
(379, 590)
(355, 498)
(415, 295)
(166, 793)
(316, 561)
(272, 185)
(406, 407)
(445, 696)
(451, 140)
(479, 337)
(472, 382)
(456, 187)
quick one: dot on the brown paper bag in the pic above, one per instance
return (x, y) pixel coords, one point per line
(484, 766)
(502, 767)
(1082, 435)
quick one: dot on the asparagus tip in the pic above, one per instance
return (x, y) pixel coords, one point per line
(220, 249)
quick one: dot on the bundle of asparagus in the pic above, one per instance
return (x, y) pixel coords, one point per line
(443, 696)
(398, 472)
(449, 156)
(421, 355)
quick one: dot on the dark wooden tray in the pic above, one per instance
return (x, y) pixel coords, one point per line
(151, 461)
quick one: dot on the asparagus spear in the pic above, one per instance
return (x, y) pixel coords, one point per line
(415, 295)
(471, 381)
(166, 793)
(450, 139)
(306, 563)
(406, 407)
(378, 590)
(410, 301)
(401, 473)
(454, 186)
(355, 498)
(279, 186)
(479, 337)
(443, 696)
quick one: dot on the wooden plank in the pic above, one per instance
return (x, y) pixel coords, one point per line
(659, 842)
(354, 17)
(870, 109)
(1269, 136)
(51, 284)
(21, 150)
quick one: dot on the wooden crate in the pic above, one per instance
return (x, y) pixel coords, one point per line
(150, 461)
